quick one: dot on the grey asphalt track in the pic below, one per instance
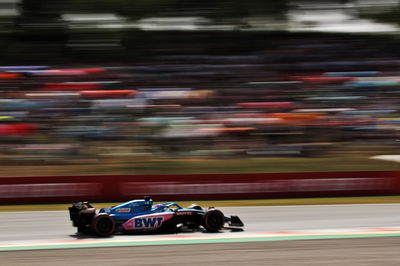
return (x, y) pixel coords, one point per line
(346, 252)
(32, 227)
(19, 227)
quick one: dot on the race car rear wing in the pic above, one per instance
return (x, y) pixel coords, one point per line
(81, 213)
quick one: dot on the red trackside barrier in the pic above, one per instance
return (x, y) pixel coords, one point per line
(59, 189)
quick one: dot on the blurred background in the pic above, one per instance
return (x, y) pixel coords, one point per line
(172, 86)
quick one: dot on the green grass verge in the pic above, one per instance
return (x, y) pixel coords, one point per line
(207, 166)
(227, 203)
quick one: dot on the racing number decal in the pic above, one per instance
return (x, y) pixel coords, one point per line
(148, 222)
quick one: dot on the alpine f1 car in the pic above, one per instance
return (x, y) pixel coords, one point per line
(142, 216)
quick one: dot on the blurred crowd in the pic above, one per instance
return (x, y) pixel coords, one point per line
(304, 97)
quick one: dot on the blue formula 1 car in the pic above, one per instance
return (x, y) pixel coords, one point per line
(142, 216)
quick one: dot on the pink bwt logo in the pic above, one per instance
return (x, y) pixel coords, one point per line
(148, 222)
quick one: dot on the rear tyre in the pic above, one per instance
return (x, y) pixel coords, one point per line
(103, 225)
(213, 220)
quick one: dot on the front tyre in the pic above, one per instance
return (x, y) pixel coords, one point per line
(213, 220)
(103, 225)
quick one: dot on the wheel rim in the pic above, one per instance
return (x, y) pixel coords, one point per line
(214, 220)
(104, 225)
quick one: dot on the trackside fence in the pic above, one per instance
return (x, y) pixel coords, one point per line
(102, 188)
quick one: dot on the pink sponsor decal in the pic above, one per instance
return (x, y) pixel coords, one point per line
(147, 222)
(123, 210)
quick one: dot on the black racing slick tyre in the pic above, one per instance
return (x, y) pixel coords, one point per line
(213, 220)
(103, 225)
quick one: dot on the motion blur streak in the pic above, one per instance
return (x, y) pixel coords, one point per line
(97, 82)
(357, 252)
(97, 87)
(55, 226)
